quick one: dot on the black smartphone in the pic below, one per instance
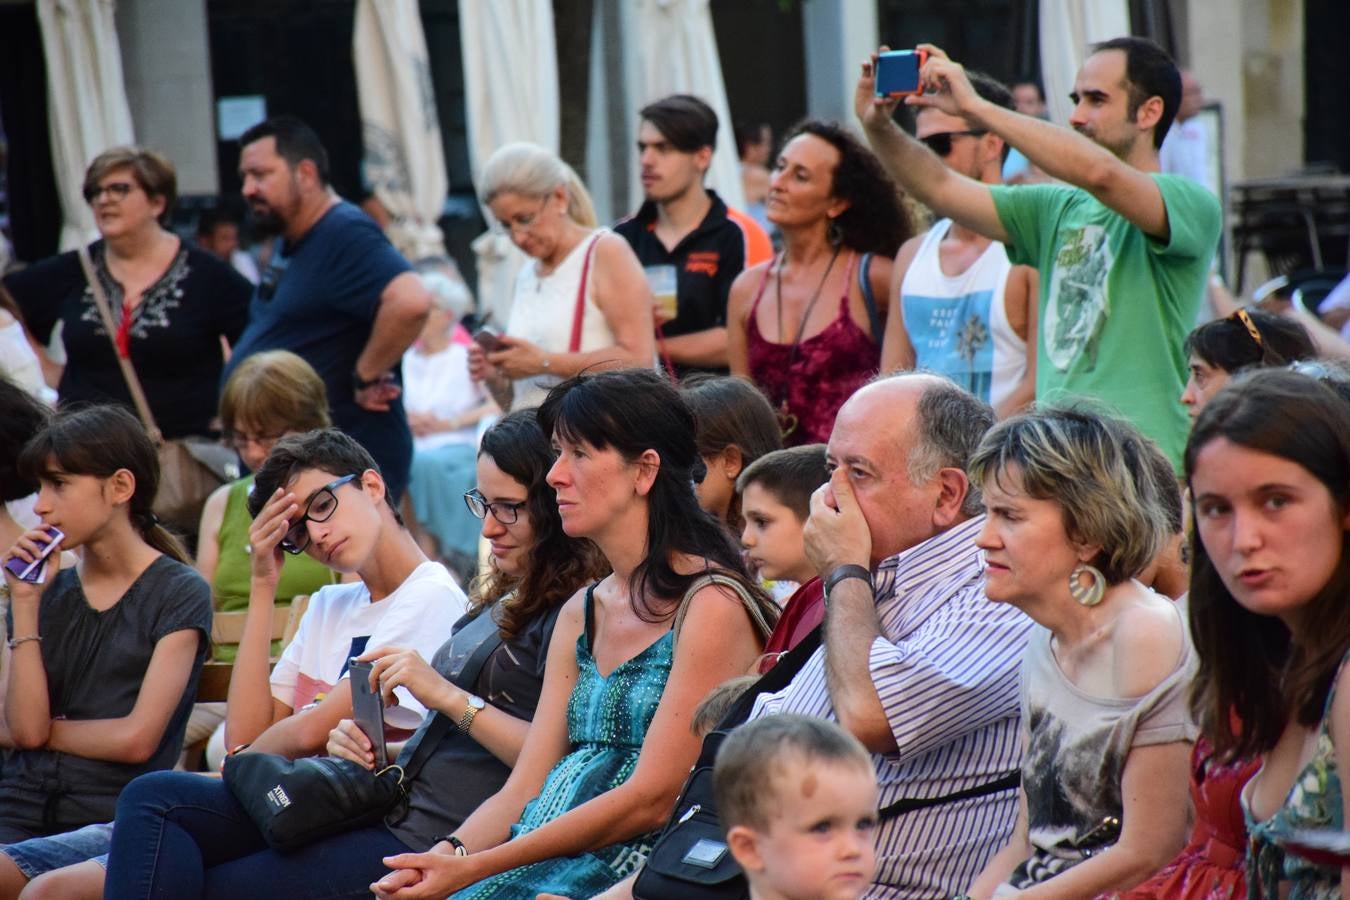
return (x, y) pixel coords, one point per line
(898, 72)
(368, 709)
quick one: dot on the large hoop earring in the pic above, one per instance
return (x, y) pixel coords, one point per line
(1087, 595)
(834, 234)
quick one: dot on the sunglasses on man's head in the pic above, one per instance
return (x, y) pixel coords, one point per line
(941, 143)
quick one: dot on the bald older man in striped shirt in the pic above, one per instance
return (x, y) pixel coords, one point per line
(915, 662)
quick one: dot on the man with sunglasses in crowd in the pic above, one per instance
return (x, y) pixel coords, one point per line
(1123, 251)
(319, 493)
(965, 311)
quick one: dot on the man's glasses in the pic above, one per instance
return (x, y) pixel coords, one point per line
(506, 513)
(320, 508)
(118, 190)
(941, 143)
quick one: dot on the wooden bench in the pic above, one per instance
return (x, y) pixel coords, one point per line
(226, 630)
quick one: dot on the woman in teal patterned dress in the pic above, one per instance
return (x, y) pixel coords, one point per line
(610, 743)
(1269, 469)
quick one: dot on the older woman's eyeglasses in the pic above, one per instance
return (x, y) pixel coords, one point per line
(506, 513)
(320, 508)
(117, 190)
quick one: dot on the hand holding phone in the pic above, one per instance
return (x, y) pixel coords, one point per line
(897, 72)
(35, 572)
(368, 709)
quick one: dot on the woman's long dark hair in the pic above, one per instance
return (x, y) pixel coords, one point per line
(634, 410)
(98, 441)
(875, 221)
(1249, 664)
(557, 564)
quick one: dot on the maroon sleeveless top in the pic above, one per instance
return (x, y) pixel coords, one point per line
(807, 386)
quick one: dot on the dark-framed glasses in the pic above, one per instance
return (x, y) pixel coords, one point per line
(503, 512)
(941, 143)
(117, 190)
(320, 508)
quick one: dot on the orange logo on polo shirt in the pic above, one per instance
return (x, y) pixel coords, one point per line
(704, 262)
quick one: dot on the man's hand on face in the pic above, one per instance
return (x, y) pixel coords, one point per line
(836, 533)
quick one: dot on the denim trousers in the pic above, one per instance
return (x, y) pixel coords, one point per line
(183, 835)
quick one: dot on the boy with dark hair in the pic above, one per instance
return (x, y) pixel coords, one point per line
(691, 243)
(776, 494)
(798, 798)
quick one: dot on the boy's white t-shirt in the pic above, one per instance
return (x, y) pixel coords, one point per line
(342, 622)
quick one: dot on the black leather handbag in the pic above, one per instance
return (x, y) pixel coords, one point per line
(297, 802)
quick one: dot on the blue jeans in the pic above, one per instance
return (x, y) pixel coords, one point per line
(37, 856)
(181, 835)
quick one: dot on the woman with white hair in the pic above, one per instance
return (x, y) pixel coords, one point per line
(444, 409)
(582, 302)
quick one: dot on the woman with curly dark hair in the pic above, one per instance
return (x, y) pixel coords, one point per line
(836, 210)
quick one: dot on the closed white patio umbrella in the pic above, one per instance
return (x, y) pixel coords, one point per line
(87, 101)
(404, 159)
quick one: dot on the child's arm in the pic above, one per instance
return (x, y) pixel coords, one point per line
(27, 709)
(133, 738)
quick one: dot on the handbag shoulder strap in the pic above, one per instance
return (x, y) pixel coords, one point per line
(574, 344)
(466, 680)
(123, 361)
(869, 298)
(747, 600)
(774, 680)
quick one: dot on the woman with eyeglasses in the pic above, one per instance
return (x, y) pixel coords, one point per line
(581, 302)
(175, 306)
(807, 326)
(1247, 339)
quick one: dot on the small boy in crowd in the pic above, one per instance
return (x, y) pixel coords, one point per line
(798, 798)
(775, 503)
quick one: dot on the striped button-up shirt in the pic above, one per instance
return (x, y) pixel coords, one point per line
(946, 669)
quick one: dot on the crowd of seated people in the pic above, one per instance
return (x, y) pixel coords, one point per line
(1093, 649)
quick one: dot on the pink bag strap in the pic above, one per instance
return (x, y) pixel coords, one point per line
(574, 345)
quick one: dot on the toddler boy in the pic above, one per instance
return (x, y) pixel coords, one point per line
(798, 798)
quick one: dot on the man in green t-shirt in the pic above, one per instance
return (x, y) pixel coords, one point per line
(1123, 250)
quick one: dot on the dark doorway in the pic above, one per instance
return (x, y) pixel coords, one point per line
(1326, 73)
(34, 212)
(763, 62)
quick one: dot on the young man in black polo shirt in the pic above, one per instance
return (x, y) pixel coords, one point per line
(685, 230)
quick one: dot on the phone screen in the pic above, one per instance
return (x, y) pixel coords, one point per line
(898, 72)
(368, 710)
